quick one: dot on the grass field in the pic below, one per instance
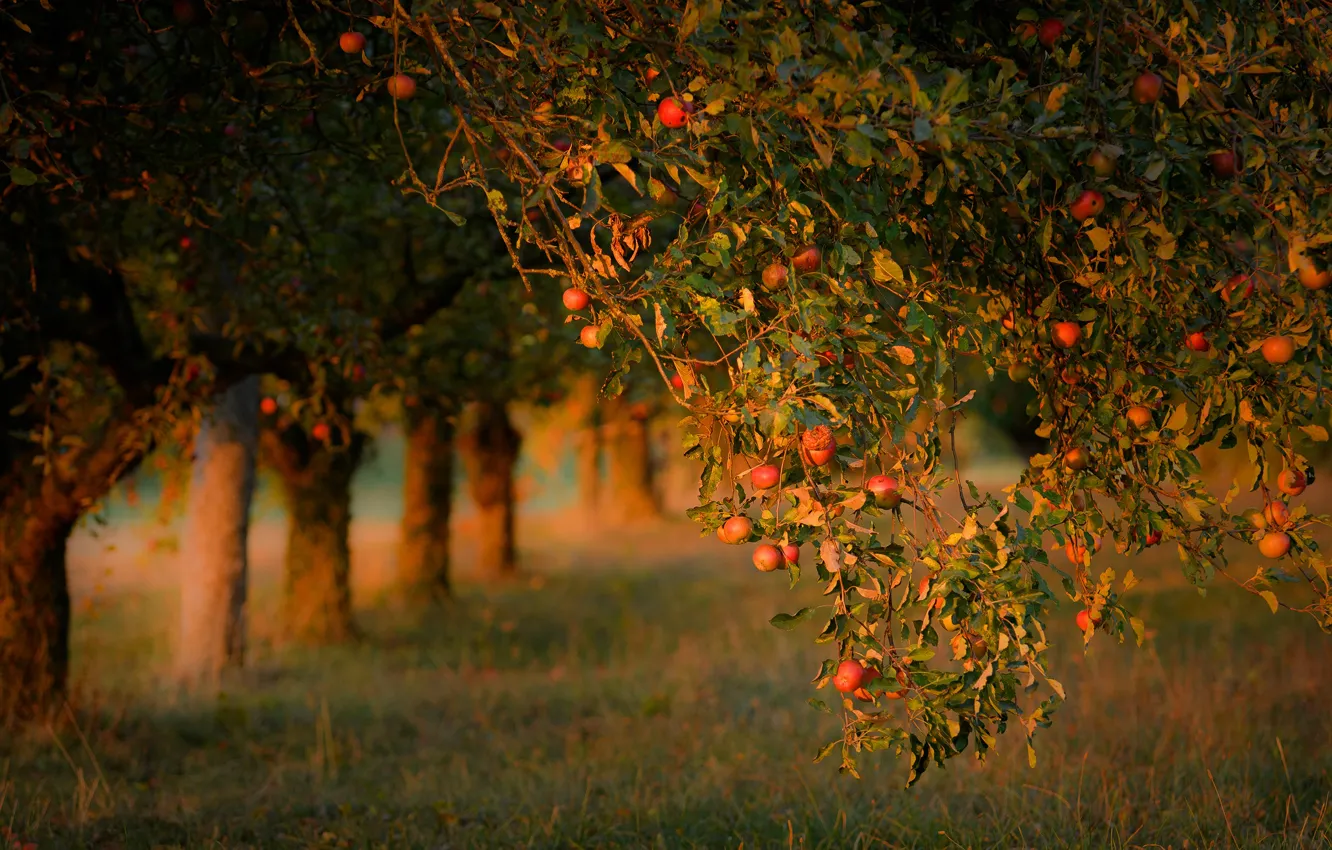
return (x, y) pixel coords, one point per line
(643, 701)
(631, 694)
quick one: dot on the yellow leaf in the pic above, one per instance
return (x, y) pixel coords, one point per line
(904, 354)
(747, 300)
(1184, 88)
(1100, 238)
(1317, 433)
(884, 268)
(1056, 97)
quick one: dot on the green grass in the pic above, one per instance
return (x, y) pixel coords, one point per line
(658, 709)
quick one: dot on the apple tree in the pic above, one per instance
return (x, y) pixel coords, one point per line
(1126, 200)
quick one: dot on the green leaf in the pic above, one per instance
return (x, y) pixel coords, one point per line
(22, 176)
(1043, 237)
(786, 622)
(1271, 600)
(825, 749)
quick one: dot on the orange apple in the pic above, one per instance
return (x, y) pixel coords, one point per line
(1066, 334)
(1292, 482)
(351, 42)
(575, 299)
(1077, 458)
(1139, 416)
(1278, 349)
(400, 87)
(1274, 544)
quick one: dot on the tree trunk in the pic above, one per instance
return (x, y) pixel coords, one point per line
(633, 495)
(587, 467)
(214, 564)
(34, 615)
(427, 504)
(490, 453)
(589, 470)
(316, 481)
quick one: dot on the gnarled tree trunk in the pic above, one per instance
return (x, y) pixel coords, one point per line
(316, 483)
(632, 478)
(427, 504)
(214, 564)
(490, 454)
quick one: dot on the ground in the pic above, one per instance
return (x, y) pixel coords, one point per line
(632, 694)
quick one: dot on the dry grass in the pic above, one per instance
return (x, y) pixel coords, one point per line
(634, 696)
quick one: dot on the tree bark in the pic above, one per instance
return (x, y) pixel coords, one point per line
(214, 563)
(423, 551)
(490, 454)
(316, 483)
(632, 479)
(34, 615)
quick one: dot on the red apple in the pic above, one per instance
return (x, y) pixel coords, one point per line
(588, 336)
(562, 144)
(677, 383)
(735, 530)
(1088, 205)
(673, 113)
(358, 373)
(850, 676)
(400, 87)
(807, 259)
(768, 558)
(576, 299)
(1086, 619)
(765, 477)
(774, 276)
(651, 74)
(1066, 334)
(1147, 88)
(1223, 164)
(885, 490)
(791, 553)
(268, 406)
(1197, 341)
(320, 432)
(351, 42)
(1235, 282)
(185, 12)
(1049, 31)
(1154, 537)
